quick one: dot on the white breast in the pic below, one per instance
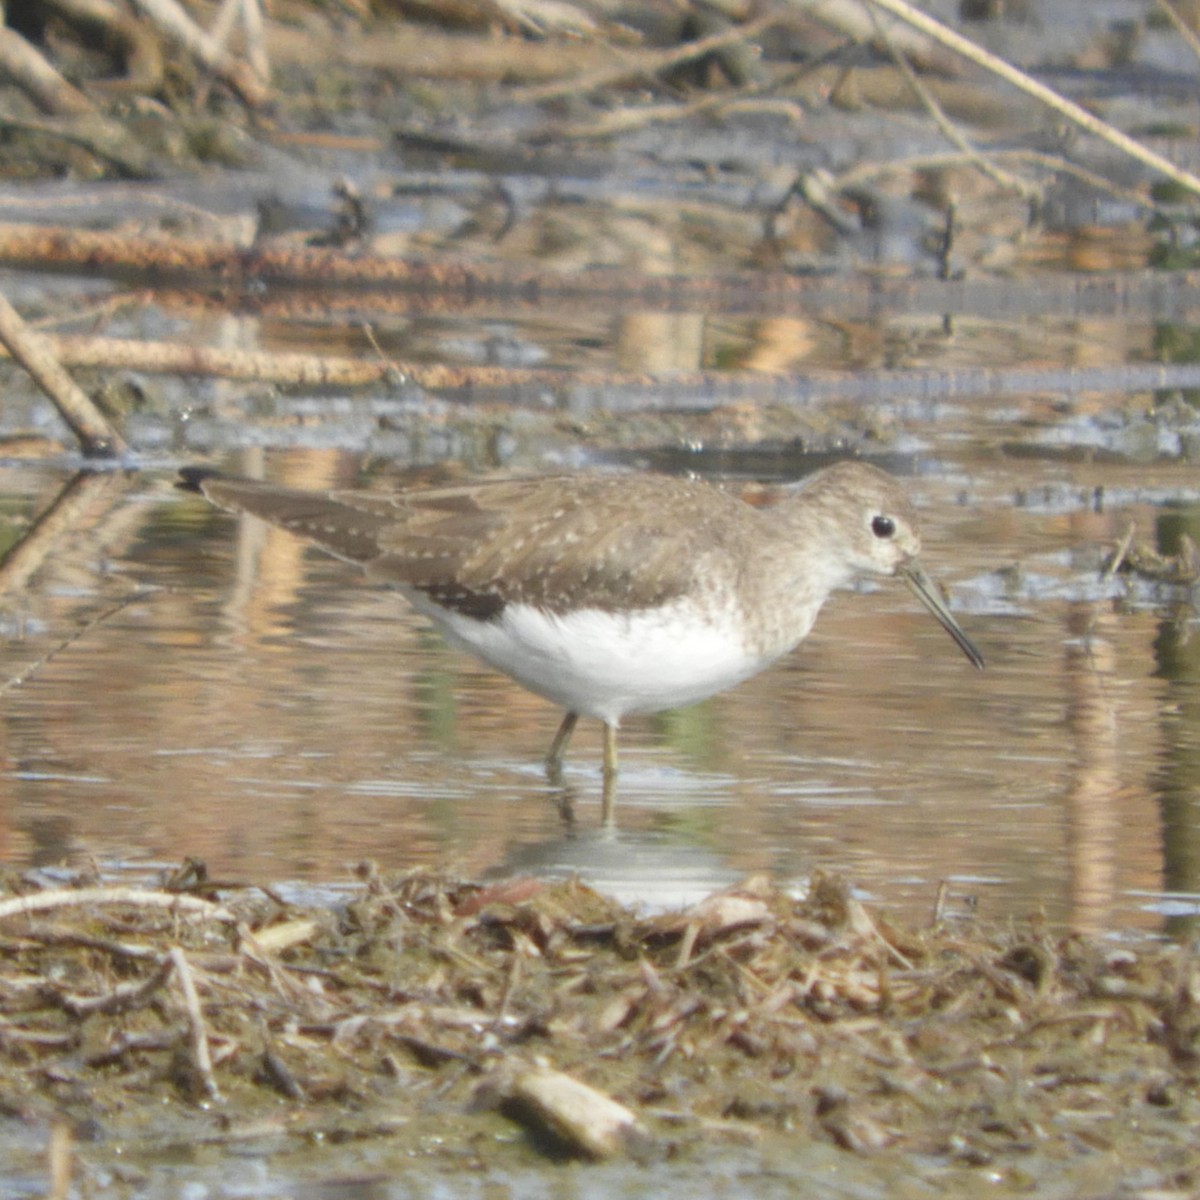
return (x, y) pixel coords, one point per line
(604, 664)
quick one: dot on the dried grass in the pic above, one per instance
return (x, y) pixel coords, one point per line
(749, 1013)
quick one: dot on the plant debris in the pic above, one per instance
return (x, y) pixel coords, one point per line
(601, 1031)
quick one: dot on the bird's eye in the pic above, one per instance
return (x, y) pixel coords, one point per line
(883, 527)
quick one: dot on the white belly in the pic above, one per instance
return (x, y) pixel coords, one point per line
(603, 664)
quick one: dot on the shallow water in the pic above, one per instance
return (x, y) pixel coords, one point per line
(259, 706)
(262, 708)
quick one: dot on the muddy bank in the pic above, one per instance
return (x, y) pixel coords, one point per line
(427, 1015)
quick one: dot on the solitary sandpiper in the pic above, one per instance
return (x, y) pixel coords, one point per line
(613, 594)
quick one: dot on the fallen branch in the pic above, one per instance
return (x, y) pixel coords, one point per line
(24, 66)
(105, 23)
(102, 137)
(258, 366)
(96, 436)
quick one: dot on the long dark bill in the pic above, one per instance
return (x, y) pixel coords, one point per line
(927, 592)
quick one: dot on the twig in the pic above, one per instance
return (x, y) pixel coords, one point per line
(1182, 28)
(20, 678)
(248, 15)
(255, 34)
(102, 137)
(1052, 162)
(128, 953)
(625, 120)
(949, 130)
(382, 360)
(59, 1156)
(649, 64)
(1031, 87)
(97, 437)
(939, 902)
(1119, 554)
(125, 997)
(170, 17)
(139, 898)
(261, 958)
(201, 1059)
(254, 278)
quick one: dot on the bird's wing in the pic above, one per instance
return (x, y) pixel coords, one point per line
(347, 524)
(615, 542)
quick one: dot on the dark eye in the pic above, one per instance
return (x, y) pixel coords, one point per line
(883, 527)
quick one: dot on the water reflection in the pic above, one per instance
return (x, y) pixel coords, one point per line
(267, 711)
(1092, 800)
(1177, 656)
(654, 869)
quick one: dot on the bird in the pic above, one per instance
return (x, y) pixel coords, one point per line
(612, 594)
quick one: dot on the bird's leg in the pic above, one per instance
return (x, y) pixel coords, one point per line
(558, 747)
(610, 751)
(609, 793)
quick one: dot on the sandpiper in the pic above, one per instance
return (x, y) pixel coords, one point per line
(612, 594)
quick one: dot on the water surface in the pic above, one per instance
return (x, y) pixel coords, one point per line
(261, 707)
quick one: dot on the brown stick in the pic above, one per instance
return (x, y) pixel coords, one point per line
(193, 258)
(97, 437)
(176, 358)
(949, 130)
(690, 389)
(102, 22)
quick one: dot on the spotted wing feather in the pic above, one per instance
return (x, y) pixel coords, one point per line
(605, 542)
(346, 524)
(602, 542)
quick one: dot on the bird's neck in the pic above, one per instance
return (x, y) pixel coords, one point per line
(790, 577)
